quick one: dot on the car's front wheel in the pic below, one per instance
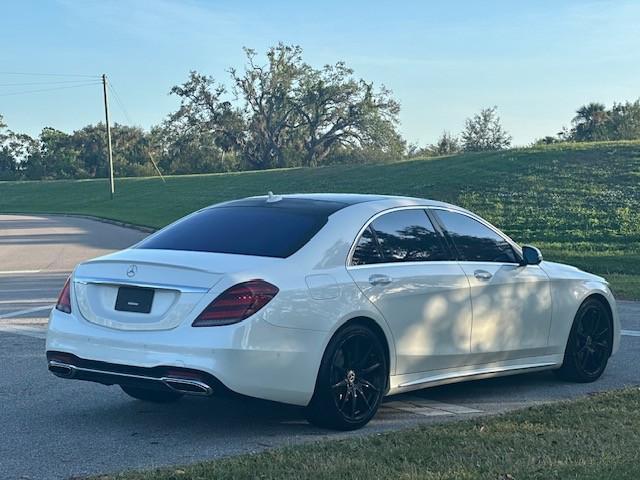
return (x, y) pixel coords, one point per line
(589, 345)
(148, 395)
(351, 380)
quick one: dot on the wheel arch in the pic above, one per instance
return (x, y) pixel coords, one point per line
(605, 302)
(568, 295)
(602, 299)
(379, 332)
(369, 322)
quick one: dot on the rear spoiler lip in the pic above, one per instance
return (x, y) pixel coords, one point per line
(135, 283)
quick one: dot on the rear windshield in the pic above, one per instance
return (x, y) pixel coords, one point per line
(246, 230)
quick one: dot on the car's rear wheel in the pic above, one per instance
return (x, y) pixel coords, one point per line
(589, 345)
(148, 395)
(351, 380)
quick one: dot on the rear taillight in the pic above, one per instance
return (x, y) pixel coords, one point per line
(64, 299)
(237, 303)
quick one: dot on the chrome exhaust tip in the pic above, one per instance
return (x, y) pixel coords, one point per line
(61, 369)
(187, 386)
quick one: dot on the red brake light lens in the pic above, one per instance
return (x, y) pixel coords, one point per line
(64, 299)
(236, 303)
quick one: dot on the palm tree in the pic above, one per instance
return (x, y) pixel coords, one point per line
(591, 122)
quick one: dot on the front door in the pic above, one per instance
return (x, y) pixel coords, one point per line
(511, 302)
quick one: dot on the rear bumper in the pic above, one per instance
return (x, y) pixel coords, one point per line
(188, 382)
(253, 358)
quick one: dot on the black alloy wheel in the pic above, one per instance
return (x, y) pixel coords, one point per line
(589, 345)
(352, 380)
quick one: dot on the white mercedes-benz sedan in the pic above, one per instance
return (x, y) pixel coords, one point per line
(328, 301)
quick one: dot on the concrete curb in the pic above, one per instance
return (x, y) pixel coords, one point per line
(119, 223)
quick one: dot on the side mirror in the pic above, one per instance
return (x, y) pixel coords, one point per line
(531, 255)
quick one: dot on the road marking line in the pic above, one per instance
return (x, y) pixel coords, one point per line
(24, 312)
(16, 290)
(13, 272)
(16, 301)
(630, 333)
(26, 331)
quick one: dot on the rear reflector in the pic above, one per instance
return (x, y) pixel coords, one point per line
(236, 303)
(64, 299)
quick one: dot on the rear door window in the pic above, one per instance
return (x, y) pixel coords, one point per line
(408, 236)
(367, 250)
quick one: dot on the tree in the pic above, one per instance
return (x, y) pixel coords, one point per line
(590, 123)
(59, 156)
(447, 144)
(190, 151)
(8, 164)
(15, 149)
(4, 133)
(624, 121)
(483, 132)
(337, 110)
(205, 113)
(267, 94)
(594, 122)
(286, 113)
(546, 140)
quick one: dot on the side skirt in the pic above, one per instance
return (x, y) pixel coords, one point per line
(416, 381)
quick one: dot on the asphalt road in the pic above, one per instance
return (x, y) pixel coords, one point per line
(53, 429)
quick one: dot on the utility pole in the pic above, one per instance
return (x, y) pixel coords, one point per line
(106, 116)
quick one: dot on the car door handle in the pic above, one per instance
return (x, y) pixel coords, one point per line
(379, 279)
(482, 275)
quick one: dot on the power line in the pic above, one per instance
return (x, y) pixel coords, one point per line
(119, 102)
(126, 114)
(34, 74)
(48, 82)
(24, 92)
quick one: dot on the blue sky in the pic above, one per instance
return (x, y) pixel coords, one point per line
(537, 61)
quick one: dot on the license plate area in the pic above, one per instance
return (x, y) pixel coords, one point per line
(134, 299)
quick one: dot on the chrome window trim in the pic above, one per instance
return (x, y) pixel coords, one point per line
(514, 245)
(404, 264)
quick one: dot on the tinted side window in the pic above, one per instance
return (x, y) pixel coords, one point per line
(407, 235)
(474, 241)
(367, 251)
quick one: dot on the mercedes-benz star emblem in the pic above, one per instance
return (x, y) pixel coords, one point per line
(132, 270)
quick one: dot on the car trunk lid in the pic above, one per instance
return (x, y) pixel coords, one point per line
(139, 289)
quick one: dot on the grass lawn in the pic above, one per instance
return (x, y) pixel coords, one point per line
(591, 438)
(579, 203)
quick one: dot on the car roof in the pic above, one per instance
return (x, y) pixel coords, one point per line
(343, 198)
(326, 204)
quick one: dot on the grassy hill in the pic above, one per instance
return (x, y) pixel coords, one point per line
(579, 203)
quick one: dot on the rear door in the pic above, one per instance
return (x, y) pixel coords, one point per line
(402, 264)
(511, 303)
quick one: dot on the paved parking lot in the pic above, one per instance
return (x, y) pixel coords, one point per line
(37, 253)
(54, 429)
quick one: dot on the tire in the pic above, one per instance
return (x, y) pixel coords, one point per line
(148, 395)
(589, 344)
(351, 380)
